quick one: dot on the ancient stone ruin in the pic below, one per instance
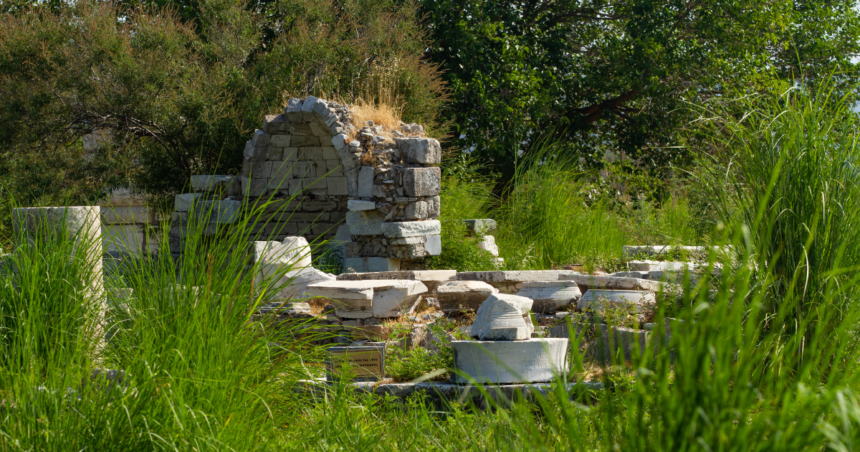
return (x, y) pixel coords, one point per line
(322, 177)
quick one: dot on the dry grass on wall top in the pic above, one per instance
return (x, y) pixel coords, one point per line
(384, 115)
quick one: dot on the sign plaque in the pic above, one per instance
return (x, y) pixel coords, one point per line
(362, 362)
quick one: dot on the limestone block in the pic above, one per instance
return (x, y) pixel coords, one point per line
(365, 222)
(309, 103)
(365, 182)
(339, 142)
(260, 138)
(550, 296)
(430, 278)
(370, 264)
(503, 317)
(511, 281)
(630, 251)
(125, 214)
(480, 226)
(422, 181)
(433, 245)
(408, 240)
(302, 170)
(290, 155)
(301, 141)
(275, 153)
(623, 344)
(219, 212)
(295, 186)
(364, 299)
(185, 201)
(127, 239)
(294, 104)
(329, 153)
(280, 140)
(417, 210)
(488, 243)
(274, 123)
(639, 302)
(337, 186)
(316, 205)
(358, 205)
(587, 282)
(433, 207)
(411, 228)
(261, 170)
(647, 266)
(425, 151)
(505, 362)
(255, 187)
(293, 252)
(209, 183)
(457, 296)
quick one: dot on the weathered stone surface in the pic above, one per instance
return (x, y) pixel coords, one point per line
(422, 181)
(365, 222)
(433, 245)
(511, 281)
(260, 138)
(280, 141)
(374, 298)
(597, 300)
(503, 317)
(358, 205)
(618, 344)
(365, 182)
(480, 226)
(293, 252)
(488, 244)
(424, 151)
(274, 123)
(550, 296)
(288, 283)
(457, 296)
(528, 361)
(210, 182)
(255, 187)
(370, 264)
(219, 212)
(647, 266)
(630, 251)
(185, 201)
(411, 228)
(125, 215)
(339, 142)
(430, 278)
(587, 282)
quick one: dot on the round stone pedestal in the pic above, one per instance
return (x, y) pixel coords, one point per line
(529, 361)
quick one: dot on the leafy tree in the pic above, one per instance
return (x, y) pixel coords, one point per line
(617, 75)
(174, 92)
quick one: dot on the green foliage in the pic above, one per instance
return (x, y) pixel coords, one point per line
(617, 75)
(792, 177)
(410, 364)
(170, 92)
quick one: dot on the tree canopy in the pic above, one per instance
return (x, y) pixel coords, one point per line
(618, 75)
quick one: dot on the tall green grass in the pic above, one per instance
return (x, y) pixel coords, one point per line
(789, 169)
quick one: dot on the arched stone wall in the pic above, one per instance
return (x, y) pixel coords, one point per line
(383, 183)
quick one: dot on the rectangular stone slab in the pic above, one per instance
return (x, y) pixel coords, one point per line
(510, 282)
(374, 298)
(431, 278)
(586, 282)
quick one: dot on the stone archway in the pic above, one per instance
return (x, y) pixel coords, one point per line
(318, 169)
